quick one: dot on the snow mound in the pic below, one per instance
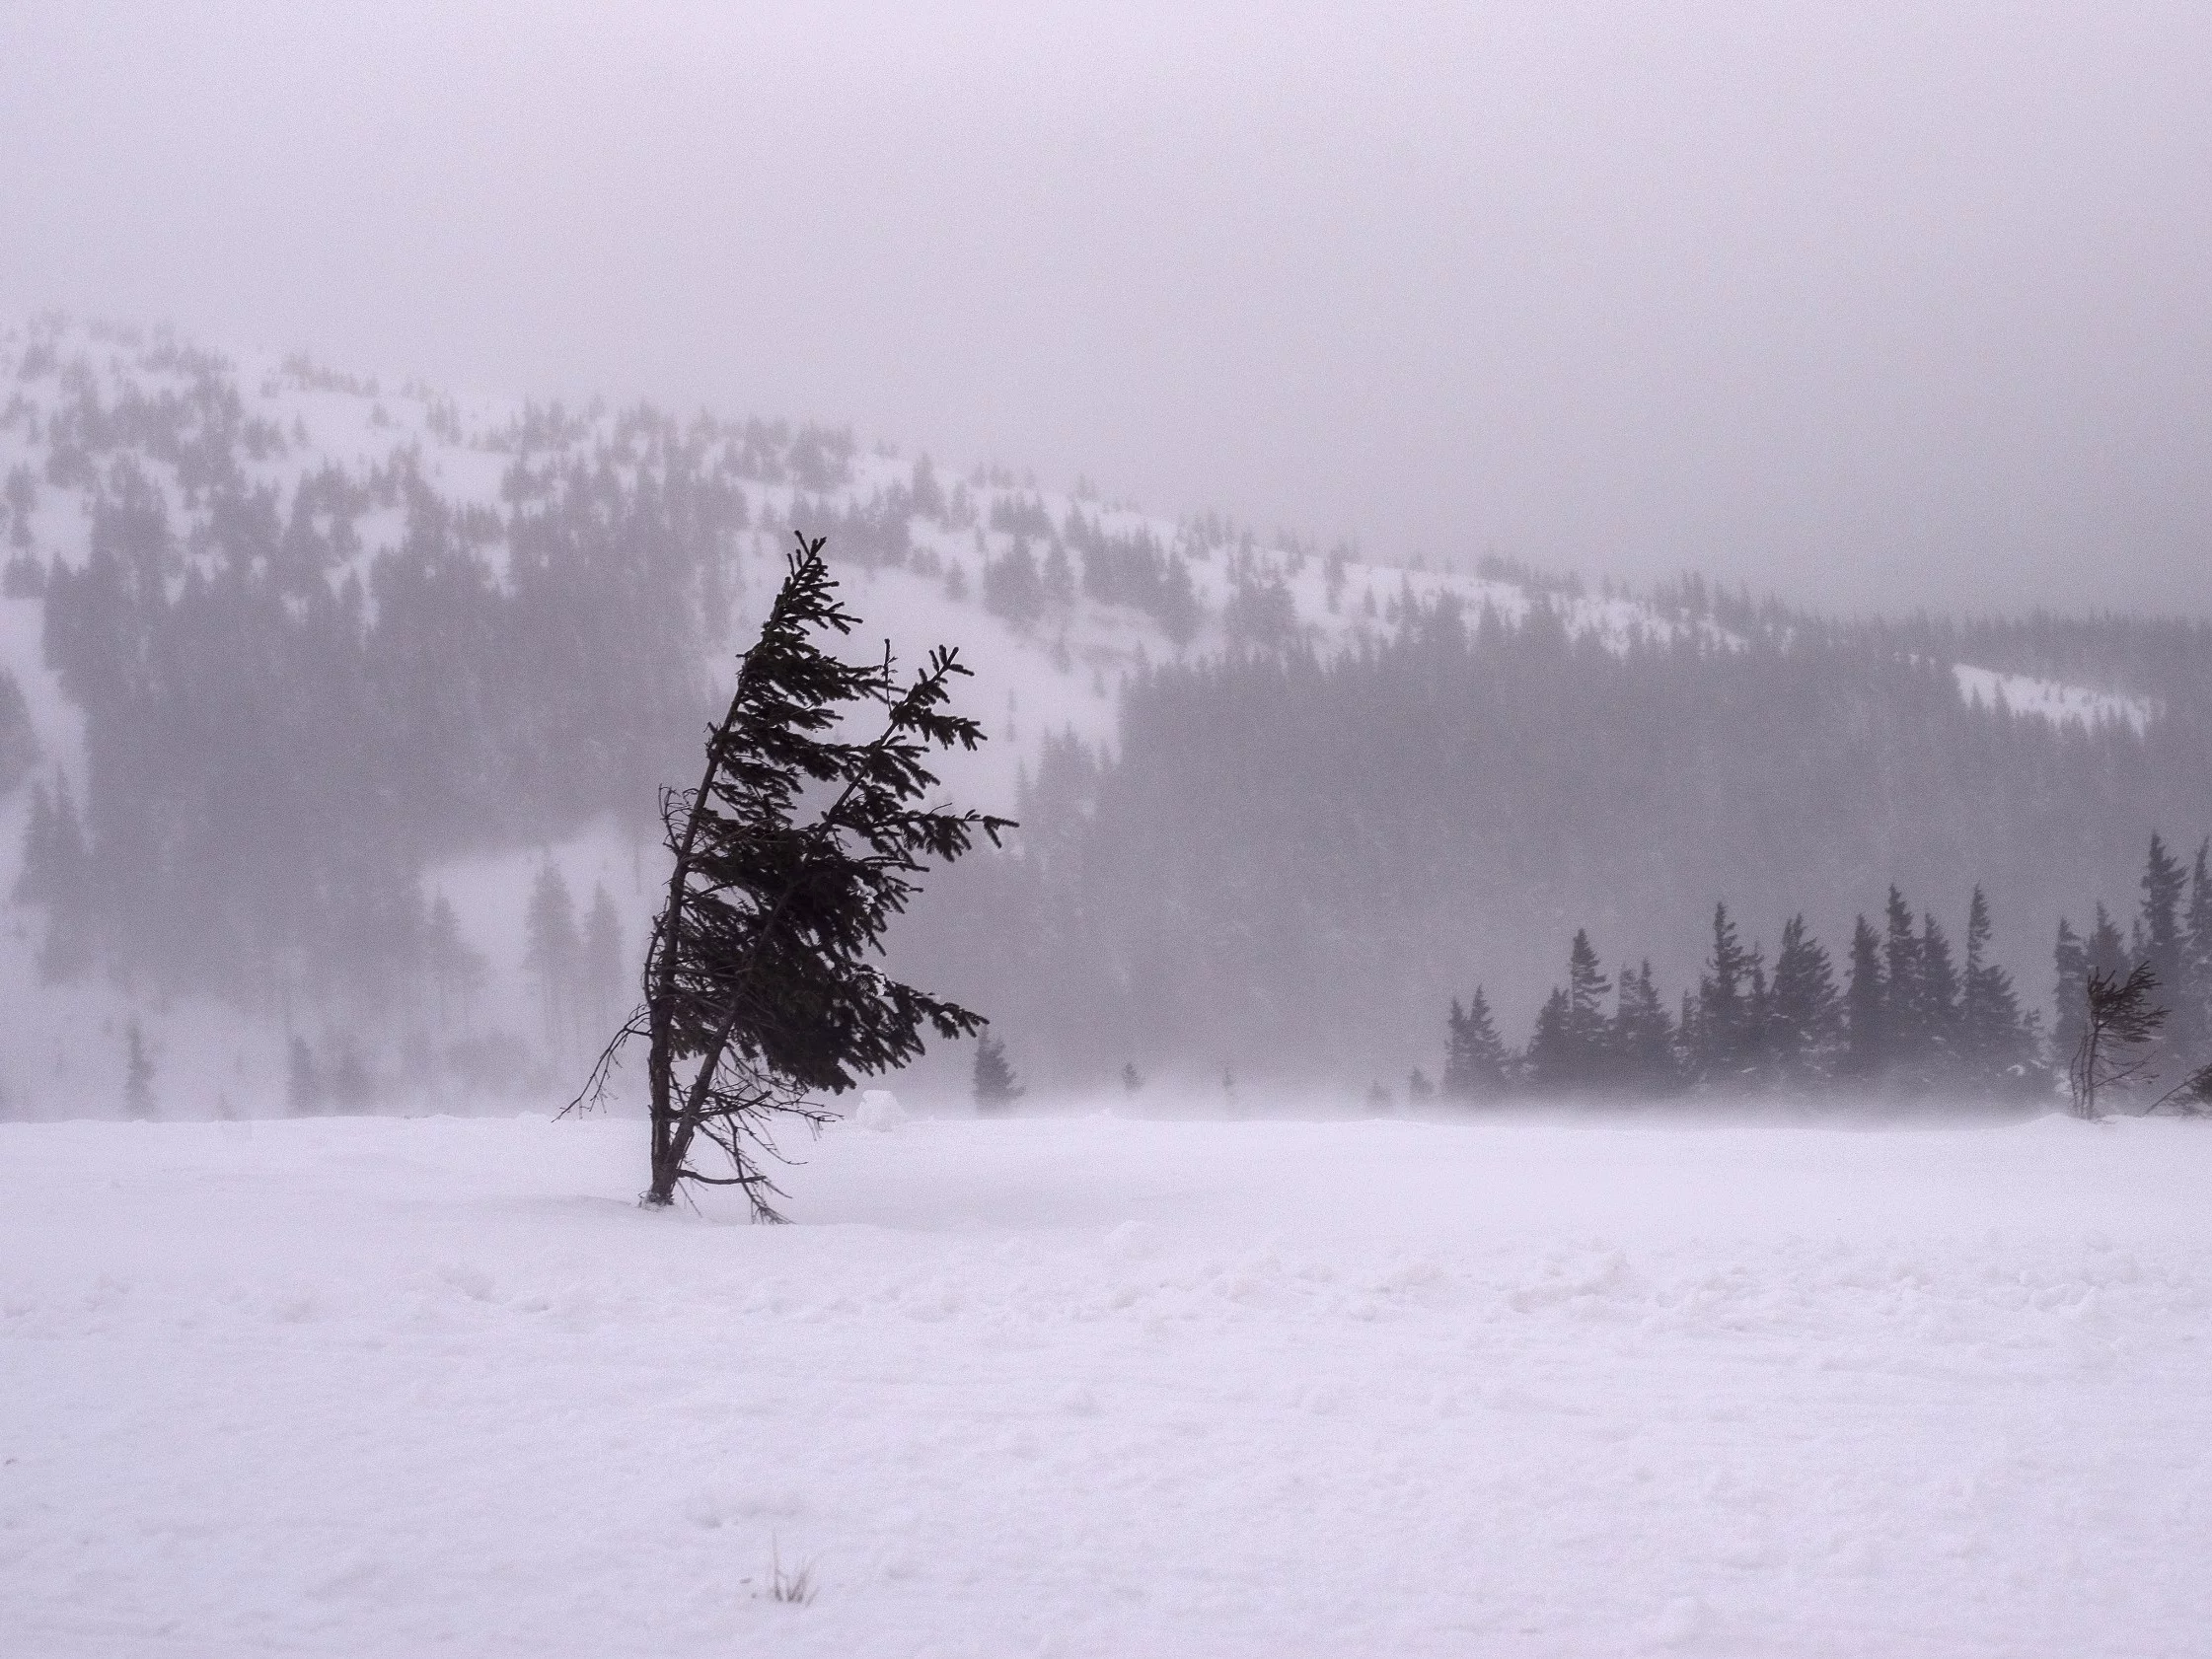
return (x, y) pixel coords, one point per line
(879, 1109)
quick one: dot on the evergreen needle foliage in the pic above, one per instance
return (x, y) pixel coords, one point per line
(790, 858)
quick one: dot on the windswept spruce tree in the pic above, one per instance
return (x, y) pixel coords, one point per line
(790, 859)
(2120, 1021)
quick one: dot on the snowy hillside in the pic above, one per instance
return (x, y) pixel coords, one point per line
(331, 675)
(78, 397)
(2020, 693)
(1102, 1388)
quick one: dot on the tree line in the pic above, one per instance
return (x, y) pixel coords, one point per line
(1906, 1014)
(1908, 1017)
(1285, 857)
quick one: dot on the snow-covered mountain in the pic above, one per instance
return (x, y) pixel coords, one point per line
(556, 593)
(198, 425)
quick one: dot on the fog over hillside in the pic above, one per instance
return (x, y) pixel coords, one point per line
(1886, 303)
(1262, 830)
(314, 680)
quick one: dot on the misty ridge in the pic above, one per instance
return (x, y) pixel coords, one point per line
(333, 715)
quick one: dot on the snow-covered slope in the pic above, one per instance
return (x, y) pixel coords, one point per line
(923, 554)
(1099, 1388)
(72, 393)
(2047, 699)
(284, 419)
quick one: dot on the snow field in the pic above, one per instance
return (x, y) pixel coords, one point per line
(1093, 1386)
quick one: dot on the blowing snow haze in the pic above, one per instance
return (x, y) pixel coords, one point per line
(1595, 1033)
(1875, 305)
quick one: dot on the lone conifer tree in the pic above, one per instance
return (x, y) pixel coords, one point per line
(790, 859)
(138, 1074)
(995, 1086)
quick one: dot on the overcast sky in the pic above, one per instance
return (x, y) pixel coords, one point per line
(1873, 305)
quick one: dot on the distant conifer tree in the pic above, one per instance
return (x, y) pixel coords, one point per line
(2106, 951)
(2070, 967)
(1550, 1061)
(1996, 1043)
(34, 870)
(352, 1089)
(138, 1074)
(1936, 1015)
(2163, 943)
(550, 952)
(1726, 1034)
(1756, 1064)
(1476, 1066)
(2163, 883)
(924, 492)
(1866, 1040)
(457, 970)
(1178, 610)
(56, 875)
(1806, 1024)
(1689, 1042)
(2194, 993)
(1013, 588)
(993, 1082)
(1642, 1038)
(1587, 990)
(1059, 578)
(1904, 1036)
(303, 1082)
(602, 975)
(1454, 1082)
(1570, 1047)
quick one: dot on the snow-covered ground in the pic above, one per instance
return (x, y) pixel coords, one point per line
(1089, 1385)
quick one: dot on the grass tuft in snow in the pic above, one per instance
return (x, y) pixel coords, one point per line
(795, 1588)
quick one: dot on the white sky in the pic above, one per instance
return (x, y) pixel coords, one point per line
(1875, 304)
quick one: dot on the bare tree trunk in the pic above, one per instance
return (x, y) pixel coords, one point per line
(2084, 1071)
(672, 1130)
